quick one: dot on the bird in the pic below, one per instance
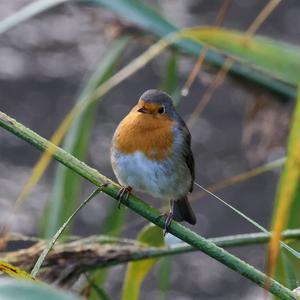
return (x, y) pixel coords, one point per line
(151, 153)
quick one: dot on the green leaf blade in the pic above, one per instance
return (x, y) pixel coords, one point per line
(66, 187)
(287, 205)
(147, 18)
(137, 271)
(278, 59)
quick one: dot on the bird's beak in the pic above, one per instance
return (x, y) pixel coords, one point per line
(142, 110)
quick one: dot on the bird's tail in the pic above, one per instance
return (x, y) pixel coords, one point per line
(182, 211)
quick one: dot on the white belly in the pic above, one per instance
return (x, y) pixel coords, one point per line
(168, 179)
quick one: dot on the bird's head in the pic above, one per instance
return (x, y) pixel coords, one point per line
(155, 104)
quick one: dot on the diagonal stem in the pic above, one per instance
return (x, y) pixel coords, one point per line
(147, 211)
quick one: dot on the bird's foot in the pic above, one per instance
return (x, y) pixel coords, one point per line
(168, 223)
(123, 194)
(169, 218)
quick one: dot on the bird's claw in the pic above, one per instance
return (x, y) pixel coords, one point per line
(123, 194)
(168, 223)
(169, 218)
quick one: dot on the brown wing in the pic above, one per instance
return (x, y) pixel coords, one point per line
(187, 151)
(189, 158)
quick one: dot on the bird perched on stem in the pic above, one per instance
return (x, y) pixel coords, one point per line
(151, 152)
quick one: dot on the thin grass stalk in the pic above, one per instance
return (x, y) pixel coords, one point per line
(230, 241)
(52, 242)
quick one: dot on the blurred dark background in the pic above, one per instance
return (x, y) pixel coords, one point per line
(45, 62)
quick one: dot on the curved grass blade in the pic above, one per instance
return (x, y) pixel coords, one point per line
(67, 184)
(42, 257)
(29, 11)
(137, 271)
(288, 192)
(277, 59)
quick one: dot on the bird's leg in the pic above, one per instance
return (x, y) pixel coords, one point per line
(123, 194)
(169, 218)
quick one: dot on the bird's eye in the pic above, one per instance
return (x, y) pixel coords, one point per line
(161, 110)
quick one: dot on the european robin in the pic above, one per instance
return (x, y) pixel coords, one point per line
(151, 152)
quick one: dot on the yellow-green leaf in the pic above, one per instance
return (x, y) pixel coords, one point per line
(278, 59)
(15, 272)
(137, 271)
(288, 193)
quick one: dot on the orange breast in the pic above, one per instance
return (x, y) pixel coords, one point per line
(147, 133)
